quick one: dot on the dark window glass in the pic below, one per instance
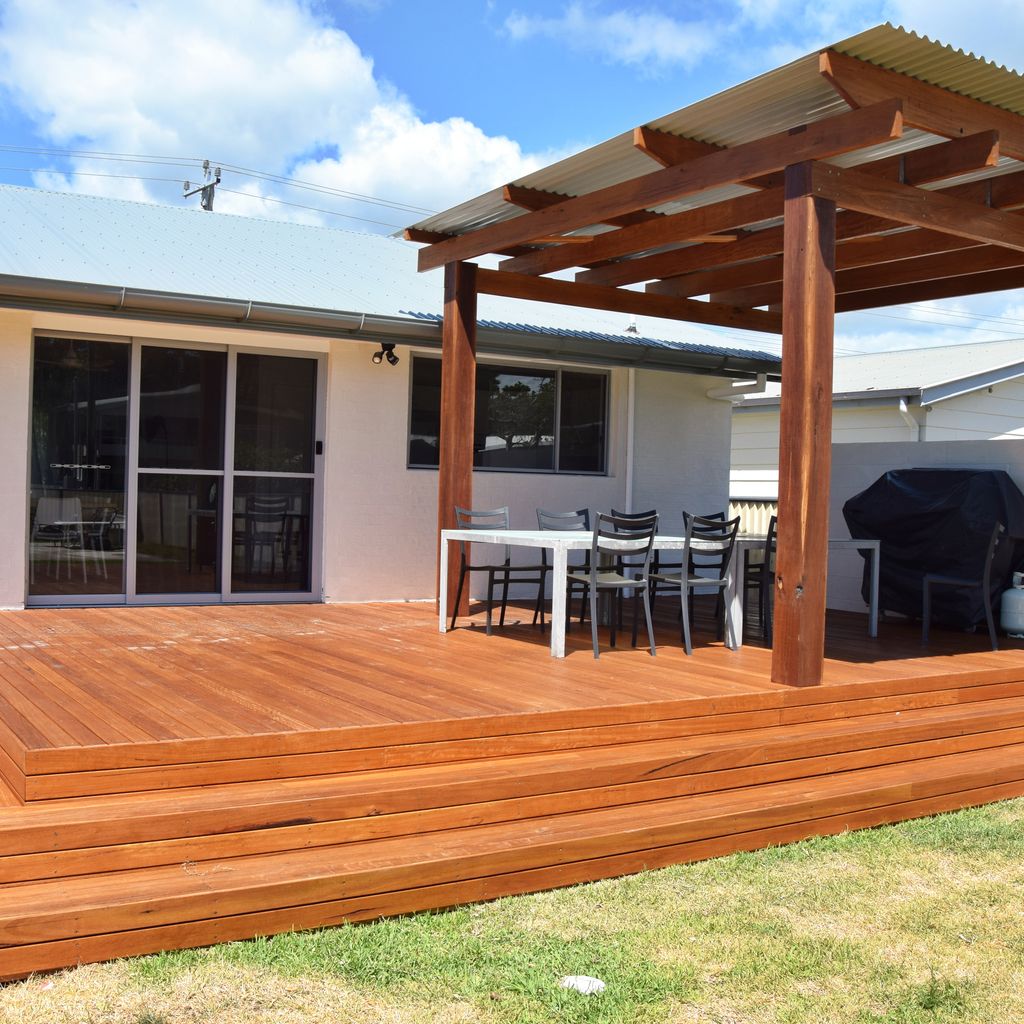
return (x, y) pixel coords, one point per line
(78, 459)
(179, 534)
(270, 534)
(515, 418)
(275, 414)
(583, 411)
(425, 419)
(181, 409)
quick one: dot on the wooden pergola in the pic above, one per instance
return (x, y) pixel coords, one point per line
(803, 237)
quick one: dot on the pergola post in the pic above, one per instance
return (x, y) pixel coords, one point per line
(458, 394)
(805, 431)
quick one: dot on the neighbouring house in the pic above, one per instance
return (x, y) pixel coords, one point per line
(969, 392)
(193, 412)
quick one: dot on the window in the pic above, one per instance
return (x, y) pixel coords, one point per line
(527, 418)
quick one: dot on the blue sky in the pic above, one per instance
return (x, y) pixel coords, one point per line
(418, 105)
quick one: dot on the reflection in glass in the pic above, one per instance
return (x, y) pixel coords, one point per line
(181, 408)
(275, 414)
(78, 456)
(177, 551)
(271, 534)
(515, 418)
(582, 414)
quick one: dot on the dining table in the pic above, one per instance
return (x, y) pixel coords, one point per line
(560, 543)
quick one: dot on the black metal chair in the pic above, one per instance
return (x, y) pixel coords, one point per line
(564, 522)
(614, 540)
(714, 554)
(626, 563)
(503, 573)
(760, 577)
(984, 584)
(659, 566)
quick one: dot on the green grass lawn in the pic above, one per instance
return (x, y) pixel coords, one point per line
(919, 922)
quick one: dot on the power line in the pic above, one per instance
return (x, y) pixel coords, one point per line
(302, 206)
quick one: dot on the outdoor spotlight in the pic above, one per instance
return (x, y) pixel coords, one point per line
(387, 351)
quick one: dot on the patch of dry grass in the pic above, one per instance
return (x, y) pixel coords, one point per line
(919, 923)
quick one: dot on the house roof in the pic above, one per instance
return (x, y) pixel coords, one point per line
(928, 374)
(139, 260)
(773, 102)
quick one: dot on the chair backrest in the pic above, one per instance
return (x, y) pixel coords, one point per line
(634, 515)
(716, 539)
(481, 519)
(771, 541)
(986, 580)
(51, 510)
(578, 520)
(266, 513)
(619, 537)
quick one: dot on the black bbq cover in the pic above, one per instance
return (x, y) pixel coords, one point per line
(939, 521)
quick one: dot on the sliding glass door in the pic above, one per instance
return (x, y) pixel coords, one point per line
(79, 446)
(168, 474)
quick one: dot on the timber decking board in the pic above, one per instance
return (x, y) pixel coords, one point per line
(246, 681)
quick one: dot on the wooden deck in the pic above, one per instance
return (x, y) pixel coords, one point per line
(179, 776)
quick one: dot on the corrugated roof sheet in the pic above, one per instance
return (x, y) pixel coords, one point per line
(114, 242)
(773, 102)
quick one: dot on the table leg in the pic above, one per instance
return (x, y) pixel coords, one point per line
(873, 611)
(734, 600)
(559, 579)
(442, 589)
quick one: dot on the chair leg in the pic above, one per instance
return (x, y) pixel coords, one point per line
(650, 621)
(926, 611)
(504, 600)
(614, 615)
(490, 600)
(991, 622)
(593, 620)
(636, 611)
(766, 609)
(685, 608)
(458, 594)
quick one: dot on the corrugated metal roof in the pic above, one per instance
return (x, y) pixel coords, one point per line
(122, 244)
(913, 370)
(773, 102)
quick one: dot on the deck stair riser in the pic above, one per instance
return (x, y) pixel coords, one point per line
(47, 786)
(40, 913)
(101, 836)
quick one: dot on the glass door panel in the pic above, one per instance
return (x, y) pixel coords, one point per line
(78, 467)
(271, 533)
(275, 414)
(181, 408)
(273, 461)
(177, 549)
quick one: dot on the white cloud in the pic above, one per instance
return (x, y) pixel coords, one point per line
(643, 38)
(255, 83)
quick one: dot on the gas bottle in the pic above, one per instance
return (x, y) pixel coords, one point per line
(1011, 615)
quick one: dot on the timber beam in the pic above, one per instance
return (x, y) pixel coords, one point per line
(855, 190)
(927, 107)
(620, 300)
(828, 137)
(949, 288)
(1005, 192)
(917, 167)
(938, 267)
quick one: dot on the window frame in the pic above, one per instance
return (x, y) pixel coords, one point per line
(539, 368)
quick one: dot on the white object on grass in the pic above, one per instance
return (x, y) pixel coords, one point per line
(583, 984)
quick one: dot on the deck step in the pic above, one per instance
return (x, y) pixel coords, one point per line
(104, 835)
(44, 924)
(43, 786)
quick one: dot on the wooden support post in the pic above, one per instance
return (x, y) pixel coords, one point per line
(458, 400)
(805, 432)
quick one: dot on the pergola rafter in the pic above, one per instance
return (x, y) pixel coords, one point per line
(800, 234)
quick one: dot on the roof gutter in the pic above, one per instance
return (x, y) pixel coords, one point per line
(70, 297)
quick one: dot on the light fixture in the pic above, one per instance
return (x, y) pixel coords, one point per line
(387, 351)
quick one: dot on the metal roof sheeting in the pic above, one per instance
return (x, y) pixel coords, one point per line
(116, 257)
(773, 102)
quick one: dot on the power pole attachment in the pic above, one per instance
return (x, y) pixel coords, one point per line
(208, 186)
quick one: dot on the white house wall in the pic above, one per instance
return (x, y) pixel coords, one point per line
(996, 413)
(380, 516)
(755, 442)
(681, 445)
